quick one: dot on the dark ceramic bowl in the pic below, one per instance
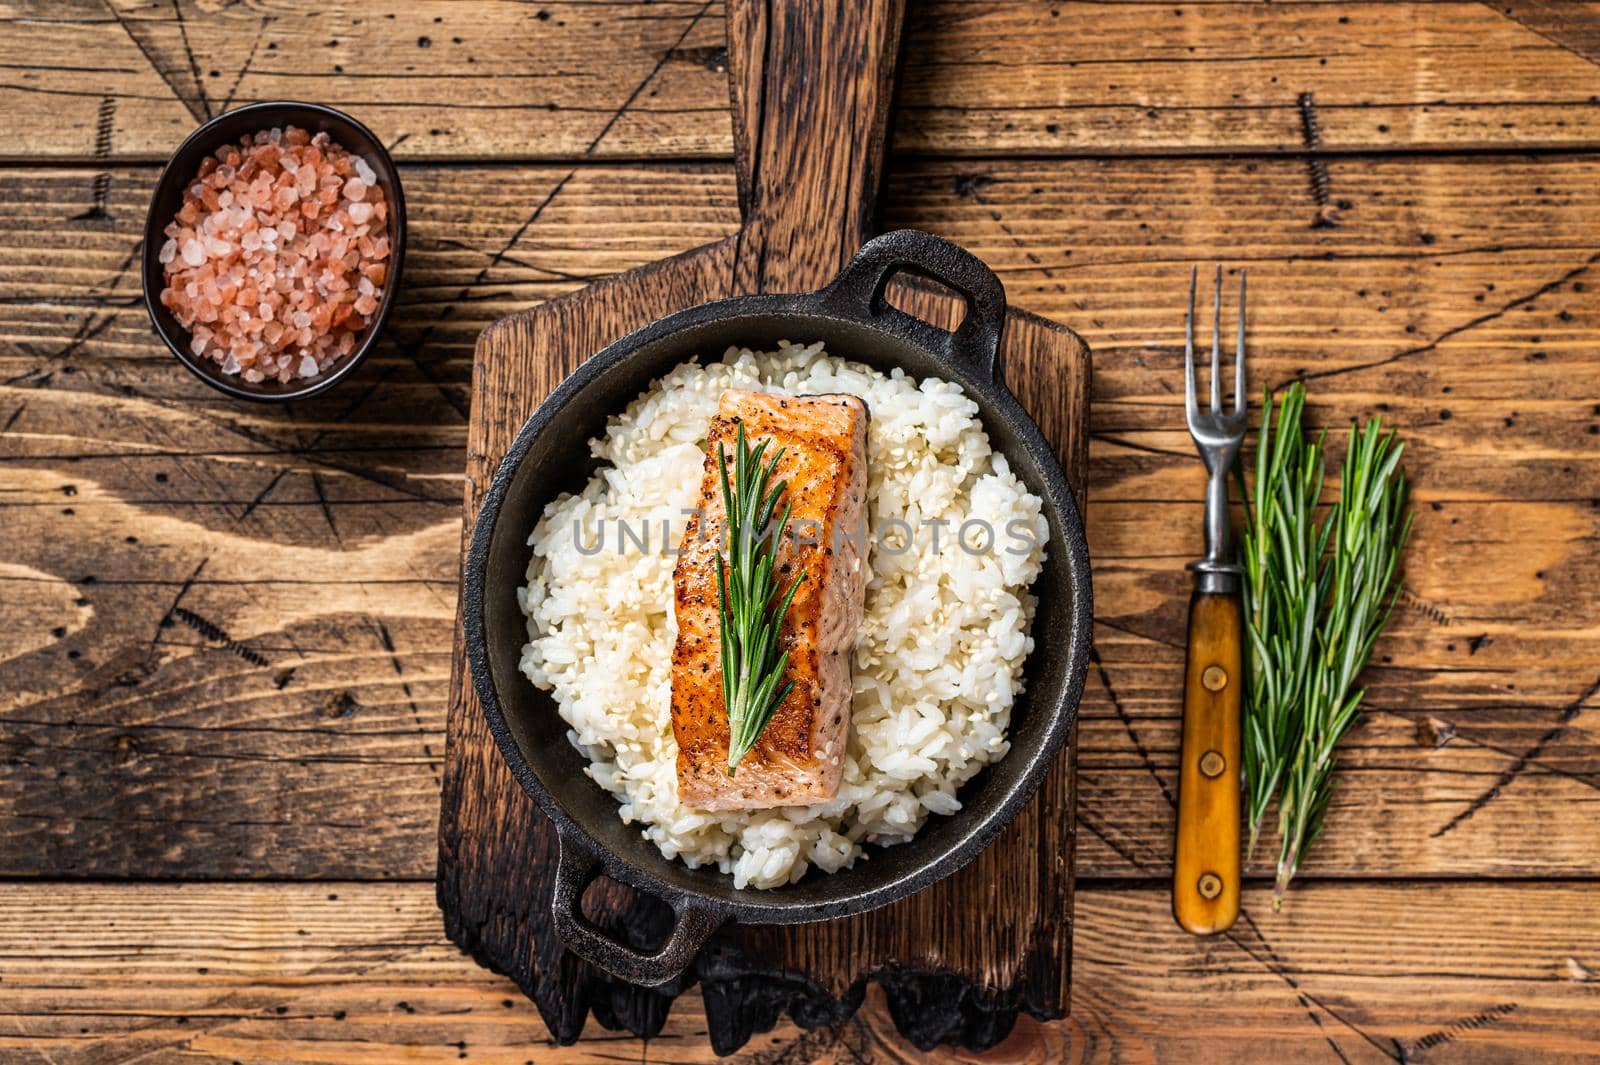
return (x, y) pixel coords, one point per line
(551, 455)
(181, 170)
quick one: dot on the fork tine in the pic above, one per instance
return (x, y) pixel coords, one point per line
(1190, 404)
(1216, 344)
(1238, 359)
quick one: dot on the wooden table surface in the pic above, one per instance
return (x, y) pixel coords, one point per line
(225, 629)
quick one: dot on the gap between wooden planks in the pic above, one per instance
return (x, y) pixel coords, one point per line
(360, 973)
(272, 645)
(125, 81)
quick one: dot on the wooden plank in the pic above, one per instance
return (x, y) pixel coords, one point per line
(567, 79)
(359, 973)
(483, 241)
(1099, 78)
(1488, 656)
(129, 79)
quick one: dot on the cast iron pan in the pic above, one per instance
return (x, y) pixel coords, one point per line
(551, 455)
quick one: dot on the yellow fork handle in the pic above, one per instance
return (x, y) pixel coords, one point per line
(1205, 872)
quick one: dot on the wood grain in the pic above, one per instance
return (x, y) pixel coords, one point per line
(342, 974)
(140, 735)
(1136, 78)
(126, 80)
(1452, 775)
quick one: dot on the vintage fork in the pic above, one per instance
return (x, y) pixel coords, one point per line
(1205, 876)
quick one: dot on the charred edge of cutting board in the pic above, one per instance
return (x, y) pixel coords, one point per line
(563, 988)
(741, 999)
(929, 1008)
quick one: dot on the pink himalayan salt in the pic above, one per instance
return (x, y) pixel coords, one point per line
(276, 260)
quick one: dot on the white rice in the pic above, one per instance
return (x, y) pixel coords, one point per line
(938, 658)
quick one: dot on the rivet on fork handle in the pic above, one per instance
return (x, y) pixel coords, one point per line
(1206, 864)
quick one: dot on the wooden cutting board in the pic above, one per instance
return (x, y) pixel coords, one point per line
(811, 91)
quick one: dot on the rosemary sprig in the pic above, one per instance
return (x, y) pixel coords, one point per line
(751, 613)
(1317, 597)
(1281, 549)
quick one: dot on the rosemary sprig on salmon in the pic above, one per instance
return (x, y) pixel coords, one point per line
(750, 608)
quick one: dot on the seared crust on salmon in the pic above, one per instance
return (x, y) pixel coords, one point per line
(799, 756)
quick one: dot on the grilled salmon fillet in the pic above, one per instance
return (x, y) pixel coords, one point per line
(800, 755)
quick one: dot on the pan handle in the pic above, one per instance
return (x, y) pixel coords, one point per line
(575, 869)
(858, 292)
